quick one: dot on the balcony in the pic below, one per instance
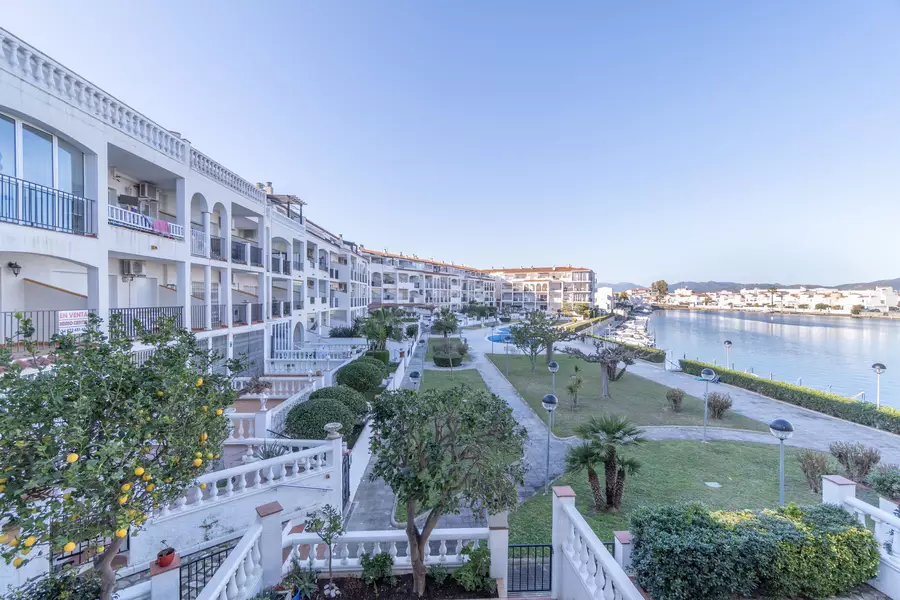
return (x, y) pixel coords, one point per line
(147, 318)
(276, 264)
(199, 243)
(240, 314)
(276, 308)
(44, 322)
(198, 317)
(238, 252)
(219, 315)
(323, 266)
(215, 248)
(298, 265)
(256, 313)
(34, 205)
(286, 308)
(134, 220)
(256, 255)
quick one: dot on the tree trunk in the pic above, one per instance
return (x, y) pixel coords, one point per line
(596, 490)
(549, 352)
(418, 543)
(620, 488)
(610, 473)
(604, 378)
(103, 565)
(533, 362)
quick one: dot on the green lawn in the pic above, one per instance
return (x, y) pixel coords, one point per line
(444, 380)
(642, 400)
(675, 472)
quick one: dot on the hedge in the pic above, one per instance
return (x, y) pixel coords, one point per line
(687, 552)
(360, 375)
(447, 360)
(349, 397)
(307, 420)
(864, 413)
(653, 355)
(382, 355)
(581, 325)
(371, 360)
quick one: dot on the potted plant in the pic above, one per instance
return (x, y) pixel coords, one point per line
(165, 556)
(319, 373)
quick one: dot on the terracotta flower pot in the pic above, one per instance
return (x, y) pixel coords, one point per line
(165, 557)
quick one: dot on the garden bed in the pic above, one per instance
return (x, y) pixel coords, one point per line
(353, 588)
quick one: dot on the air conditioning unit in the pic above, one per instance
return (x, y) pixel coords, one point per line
(136, 268)
(149, 191)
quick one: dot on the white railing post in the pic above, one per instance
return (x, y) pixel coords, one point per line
(836, 490)
(261, 423)
(270, 543)
(337, 461)
(498, 545)
(165, 582)
(562, 495)
(622, 548)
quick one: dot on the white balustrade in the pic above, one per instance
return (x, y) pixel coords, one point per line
(243, 425)
(134, 220)
(215, 171)
(138, 591)
(281, 386)
(599, 573)
(240, 575)
(297, 367)
(887, 527)
(25, 61)
(222, 486)
(199, 243)
(286, 221)
(445, 547)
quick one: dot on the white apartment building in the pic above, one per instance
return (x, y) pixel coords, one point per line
(549, 289)
(416, 283)
(103, 209)
(880, 299)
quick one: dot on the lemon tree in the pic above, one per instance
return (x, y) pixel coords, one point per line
(93, 442)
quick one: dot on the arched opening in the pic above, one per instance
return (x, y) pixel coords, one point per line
(298, 334)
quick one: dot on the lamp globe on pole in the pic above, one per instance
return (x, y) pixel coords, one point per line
(549, 402)
(879, 369)
(553, 367)
(708, 375)
(727, 354)
(782, 430)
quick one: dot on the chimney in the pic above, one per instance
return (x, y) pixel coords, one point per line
(269, 189)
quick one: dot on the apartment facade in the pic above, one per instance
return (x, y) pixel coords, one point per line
(104, 210)
(416, 283)
(548, 289)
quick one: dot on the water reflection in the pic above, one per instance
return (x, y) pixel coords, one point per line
(835, 352)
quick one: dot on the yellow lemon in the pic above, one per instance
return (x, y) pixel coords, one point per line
(2, 479)
(209, 455)
(100, 549)
(2, 488)
(147, 437)
(167, 480)
(123, 499)
(150, 487)
(14, 542)
(202, 486)
(120, 533)
(69, 547)
(4, 538)
(147, 477)
(159, 394)
(198, 462)
(198, 454)
(205, 408)
(203, 436)
(67, 496)
(71, 458)
(216, 456)
(26, 551)
(199, 382)
(17, 562)
(219, 412)
(30, 541)
(139, 471)
(126, 487)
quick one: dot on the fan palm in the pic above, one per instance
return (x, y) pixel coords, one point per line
(381, 325)
(610, 432)
(624, 465)
(586, 457)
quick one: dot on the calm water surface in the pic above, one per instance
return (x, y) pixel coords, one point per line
(823, 351)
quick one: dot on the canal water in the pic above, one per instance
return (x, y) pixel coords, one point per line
(827, 353)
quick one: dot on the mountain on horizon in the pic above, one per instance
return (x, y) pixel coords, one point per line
(732, 286)
(620, 287)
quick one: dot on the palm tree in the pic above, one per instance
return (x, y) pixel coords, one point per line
(383, 324)
(573, 389)
(624, 465)
(587, 456)
(610, 432)
(445, 324)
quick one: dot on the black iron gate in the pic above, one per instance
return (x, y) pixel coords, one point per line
(530, 568)
(346, 485)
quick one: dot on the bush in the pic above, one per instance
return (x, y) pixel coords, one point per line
(855, 458)
(814, 465)
(343, 332)
(864, 413)
(307, 421)
(377, 569)
(412, 330)
(360, 376)
(60, 584)
(383, 355)
(371, 360)
(349, 397)
(886, 481)
(675, 396)
(447, 360)
(687, 552)
(475, 574)
(505, 319)
(439, 573)
(719, 403)
(652, 355)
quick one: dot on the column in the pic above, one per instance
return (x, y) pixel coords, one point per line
(498, 545)
(98, 293)
(562, 495)
(225, 297)
(337, 477)
(183, 291)
(270, 552)
(836, 489)
(205, 219)
(622, 549)
(207, 292)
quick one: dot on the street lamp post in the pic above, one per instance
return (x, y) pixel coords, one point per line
(492, 339)
(727, 354)
(549, 402)
(506, 339)
(879, 369)
(553, 367)
(781, 429)
(708, 375)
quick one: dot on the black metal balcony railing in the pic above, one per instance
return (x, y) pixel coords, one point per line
(36, 205)
(256, 255)
(256, 313)
(241, 314)
(286, 308)
(238, 252)
(298, 264)
(219, 315)
(147, 317)
(276, 308)
(298, 303)
(198, 317)
(45, 323)
(215, 247)
(286, 266)
(323, 266)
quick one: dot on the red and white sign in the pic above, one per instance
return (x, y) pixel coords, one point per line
(72, 321)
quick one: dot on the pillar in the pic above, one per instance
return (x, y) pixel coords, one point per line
(498, 545)
(205, 218)
(337, 486)
(562, 495)
(271, 556)
(98, 293)
(207, 293)
(836, 489)
(183, 291)
(165, 582)
(622, 548)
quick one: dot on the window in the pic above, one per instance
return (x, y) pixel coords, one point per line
(71, 168)
(7, 146)
(37, 156)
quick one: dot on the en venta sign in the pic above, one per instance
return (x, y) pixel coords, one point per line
(72, 321)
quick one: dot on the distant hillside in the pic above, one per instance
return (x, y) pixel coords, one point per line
(620, 287)
(732, 286)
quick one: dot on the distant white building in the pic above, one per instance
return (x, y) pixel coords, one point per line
(604, 298)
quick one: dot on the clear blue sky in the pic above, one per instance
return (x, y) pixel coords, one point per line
(748, 141)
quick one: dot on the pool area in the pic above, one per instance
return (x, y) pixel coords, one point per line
(501, 335)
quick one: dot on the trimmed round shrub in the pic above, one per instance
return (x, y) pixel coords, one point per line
(377, 363)
(675, 396)
(719, 403)
(447, 360)
(383, 355)
(349, 397)
(307, 421)
(359, 375)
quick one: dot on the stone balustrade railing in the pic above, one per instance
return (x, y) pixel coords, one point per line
(276, 366)
(238, 577)
(219, 173)
(25, 61)
(243, 425)
(445, 547)
(224, 485)
(281, 386)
